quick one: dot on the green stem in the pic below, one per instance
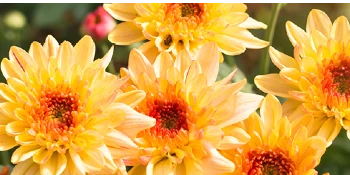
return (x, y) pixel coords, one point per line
(265, 62)
(5, 157)
(110, 68)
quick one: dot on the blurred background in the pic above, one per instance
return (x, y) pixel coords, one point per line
(21, 24)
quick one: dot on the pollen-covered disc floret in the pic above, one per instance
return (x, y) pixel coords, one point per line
(276, 146)
(172, 27)
(57, 106)
(190, 109)
(316, 80)
(171, 114)
(269, 162)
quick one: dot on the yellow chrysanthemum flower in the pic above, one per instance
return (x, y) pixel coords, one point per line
(276, 146)
(57, 106)
(316, 80)
(172, 27)
(190, 109)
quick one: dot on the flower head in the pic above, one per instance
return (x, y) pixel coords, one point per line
(98, 24)
(57, 106)
(316, 80)
(172, 27)
(190, 109)
(276, 146)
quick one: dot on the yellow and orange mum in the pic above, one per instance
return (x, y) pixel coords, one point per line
(190, 109)
(276, 146)
(57, 106)
(316, 81)
(172, 27)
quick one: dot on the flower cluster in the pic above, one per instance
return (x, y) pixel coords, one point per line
(166, 113)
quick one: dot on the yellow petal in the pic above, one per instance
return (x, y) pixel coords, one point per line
(138, 63)
(236, 18)
(79, 167)
(138, 170)
(26, 167)
(318, 20)
(271, 111)
(11, 69)
(84, 51)
(329, 130)
(42, 155)
(208, 57)
(193, 70)
(246, 38)
(309, 65)
(119, 144)
(51, 46)
(106, 59)
(6, 142)
(318, 38)
(279, 87)
(215, 163)
(281, 60)
(228, 45)
(182, 61)
(131, 98)
(38, 52)
(162, 63)
(340, 29)
(21, 57)
(246, 105)
(296, 34)
(134, 122)
(55, 165)
(236, 137)
(125, 33)
(16, 127)
(150, 50)
(291, 75)
(121, 11)
(251, 23)
(160, 165)
(65, 57)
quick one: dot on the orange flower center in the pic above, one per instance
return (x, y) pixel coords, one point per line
(170, 116)
(171, 112)
(184, 10)
(57, 112)
(336, 81)
(269, 162)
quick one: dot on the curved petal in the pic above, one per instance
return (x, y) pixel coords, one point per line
(228, 45)
(51, 46)
(246, 104)
(208, 57)
(318, 20)
(26, 167)
(270, 111)
(55, 165)
(282, 60)
(340, 28)
(162, 63)
(279, 87)
(125, 33)
(138, 63)
(251, 23)
(84, 51)
(150, 51)
(215, 163)
(121, 11)
(246, 38)
(134, 122)
(296, 34)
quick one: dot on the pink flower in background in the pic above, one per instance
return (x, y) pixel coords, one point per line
(98, 24)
